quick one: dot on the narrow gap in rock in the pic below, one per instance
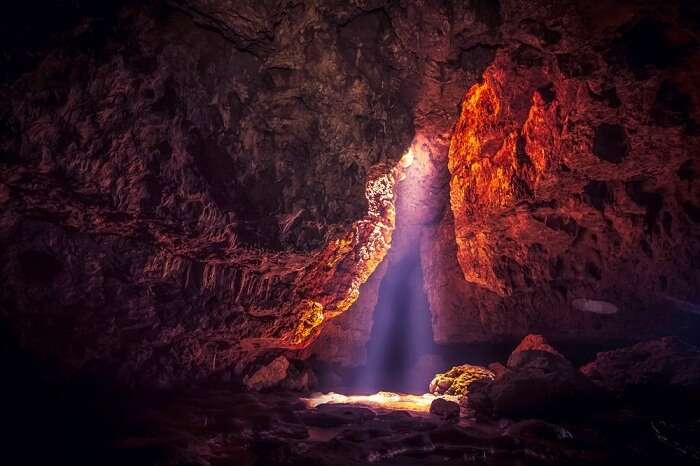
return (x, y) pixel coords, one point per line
(402, 331)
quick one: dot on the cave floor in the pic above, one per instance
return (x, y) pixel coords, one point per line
(220, 427)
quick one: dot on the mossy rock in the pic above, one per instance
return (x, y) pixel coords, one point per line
(457, 380)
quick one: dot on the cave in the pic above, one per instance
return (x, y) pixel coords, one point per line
(337, 233)
(401, 331)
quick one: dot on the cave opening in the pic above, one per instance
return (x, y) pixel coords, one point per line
(401, 341)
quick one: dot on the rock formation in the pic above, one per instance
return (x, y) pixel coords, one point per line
(572, 202)
(538, 382)
(457, 380)
(200, 190)
(658, 373)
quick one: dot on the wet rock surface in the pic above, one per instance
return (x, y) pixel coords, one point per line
(86, 424)
(222, 427)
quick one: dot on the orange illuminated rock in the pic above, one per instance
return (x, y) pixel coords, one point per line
(569, 193)
(531, 344)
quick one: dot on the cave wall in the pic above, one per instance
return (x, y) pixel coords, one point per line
(573, 186)
(174, 200)
(192, 188)
(196, 189)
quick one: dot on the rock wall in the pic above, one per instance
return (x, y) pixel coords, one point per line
(191, 189)
(573, 187)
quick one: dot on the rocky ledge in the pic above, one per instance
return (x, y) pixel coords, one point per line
(538, 381)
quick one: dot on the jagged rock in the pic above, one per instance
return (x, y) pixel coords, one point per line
(531, 342)
(657, 372)
(457, 380)
(568, 220)
(269, 375)
(190, 184)
(228, 172)
(445, 409)
(538, 381)
(535, 347)
(497, 368)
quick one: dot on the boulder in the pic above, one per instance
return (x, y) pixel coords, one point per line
(457, 380)
(664, 371)
(445, 409)
(538, 381)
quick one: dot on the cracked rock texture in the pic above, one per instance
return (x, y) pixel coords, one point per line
(191, 188)
(203, 189)
(573, 166)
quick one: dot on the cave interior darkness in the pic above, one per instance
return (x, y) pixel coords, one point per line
(330, 233)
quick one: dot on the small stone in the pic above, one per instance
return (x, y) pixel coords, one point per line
(445, 409)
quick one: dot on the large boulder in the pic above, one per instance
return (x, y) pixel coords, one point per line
(458, 379)
(665, 370)
(538, 381)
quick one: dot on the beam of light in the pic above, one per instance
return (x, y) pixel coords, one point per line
(402, 330)
(385, 400)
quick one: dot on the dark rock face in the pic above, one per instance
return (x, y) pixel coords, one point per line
(564, 176)
(244, 429)
(187, 187)
(610, 143)
(195, 190)
(445, 409)
(659, 373)
(538, 381)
